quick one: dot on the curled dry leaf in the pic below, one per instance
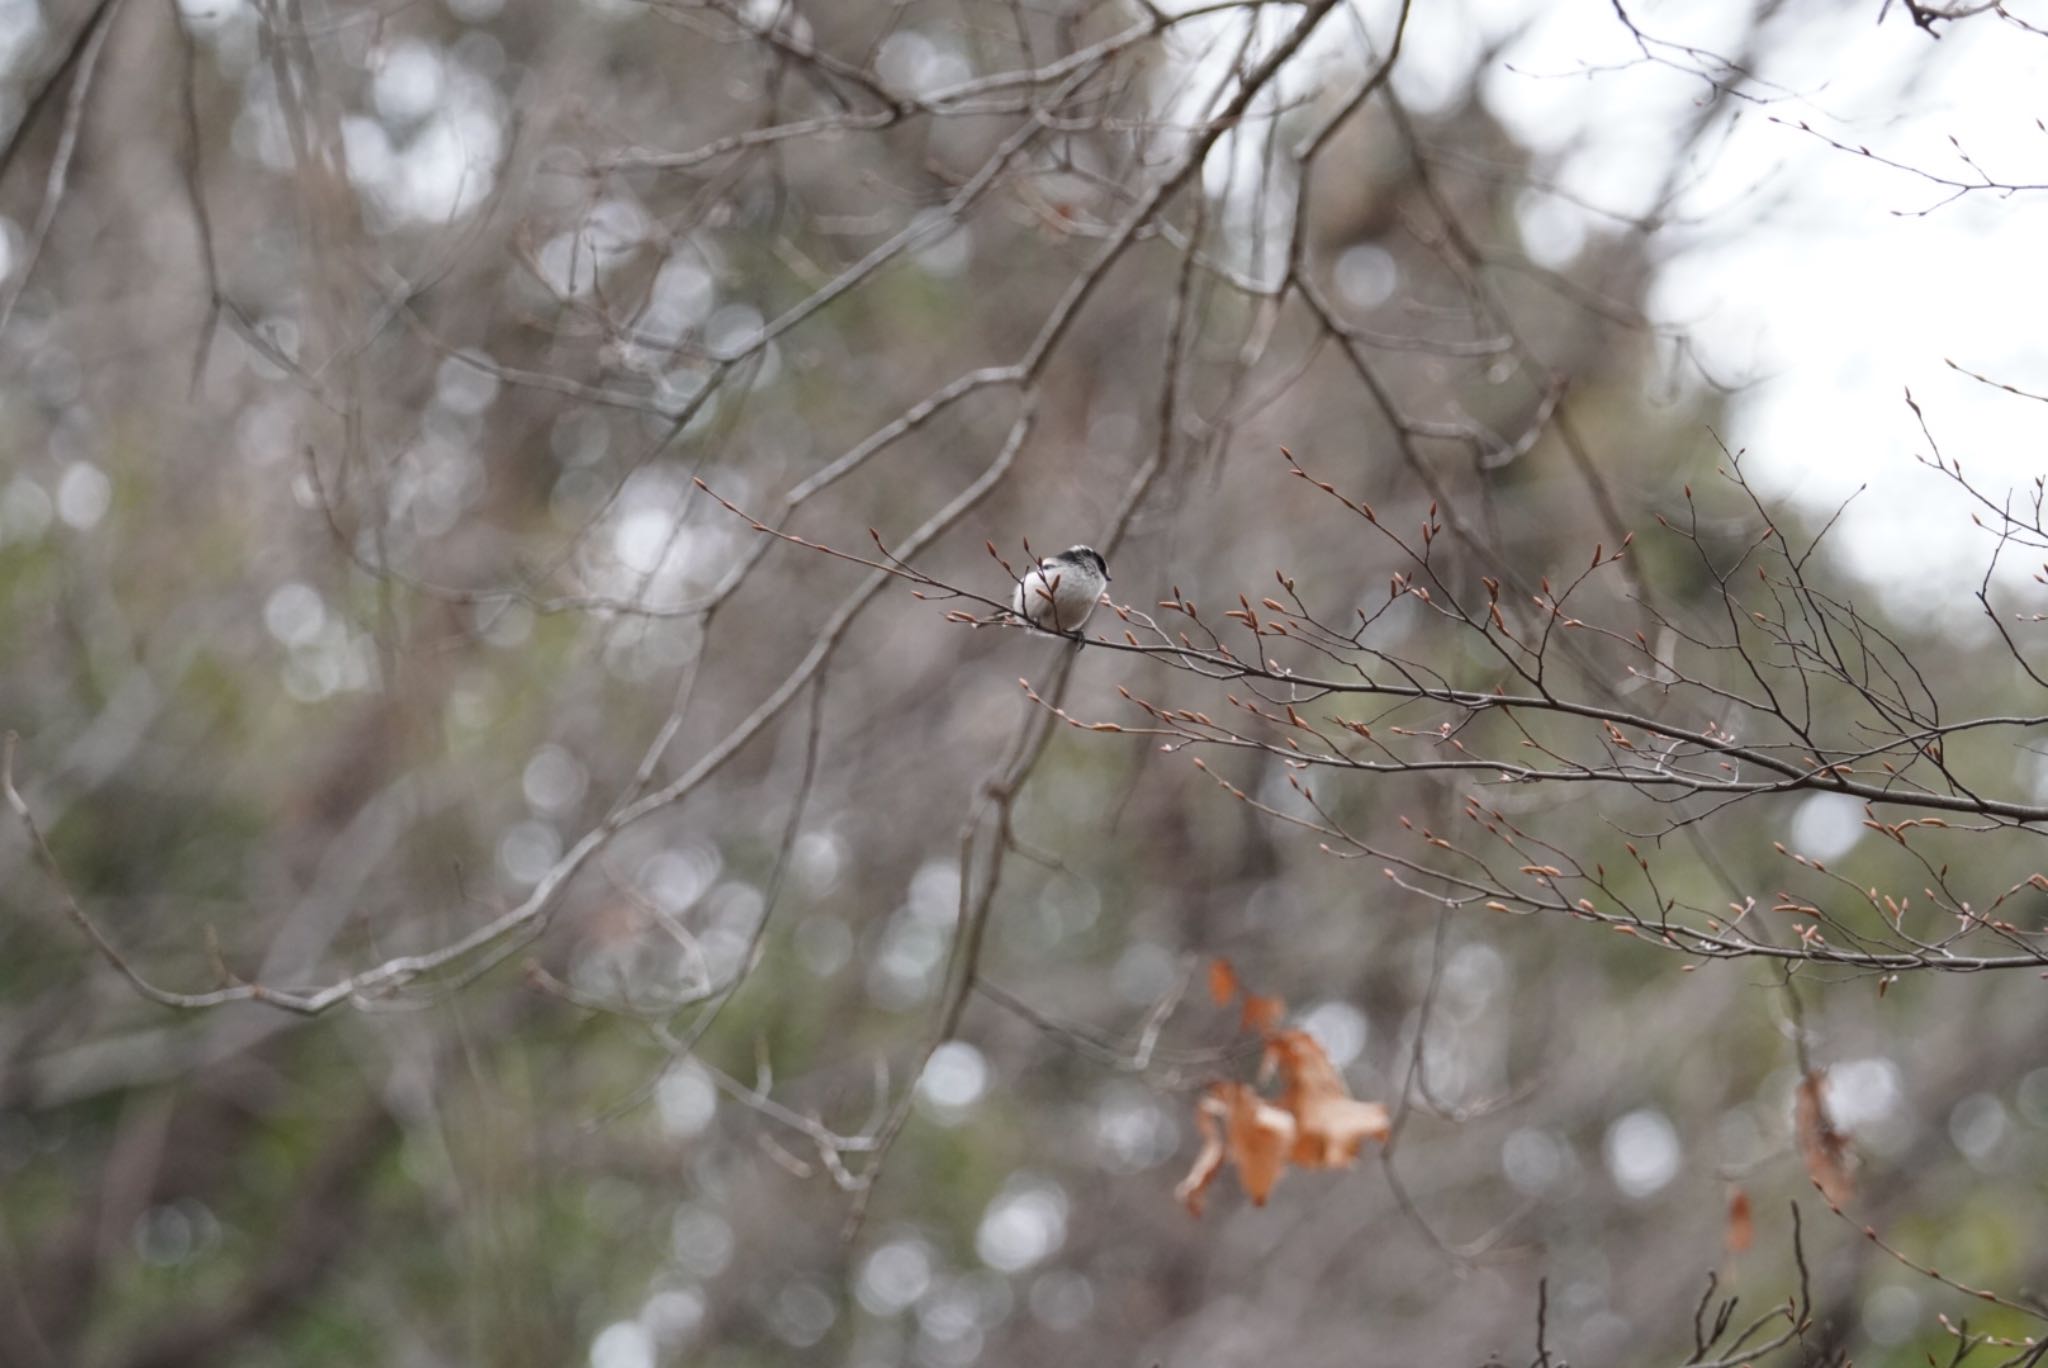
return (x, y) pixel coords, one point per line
(1741, 1223)
(1239, 1125)
(1331, 1124)
(1207, 1164)
(1259, 1136)
(1315, 1123)
(1824, 1148)
(1222, 981)
(1262, 1014)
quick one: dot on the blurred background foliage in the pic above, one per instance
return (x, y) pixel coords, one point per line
(350, 561)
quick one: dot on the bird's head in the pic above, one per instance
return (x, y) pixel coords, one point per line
(1088, 557)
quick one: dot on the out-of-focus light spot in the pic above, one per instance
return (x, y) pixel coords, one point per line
(554, 780)
(25, 510)
(1066, 907)
(164, 1236)
(21, 29)
(935, 893)
(1862, 1092)
(1448, 47)
(371, 159)
(677, 390)
(472, 705)
(2032, 1097)
(819, 856)
(475, 11)
(700, 1242)
(905, 972)
(1826, 826)
(1366, 275)
(945, 253)
(895, 1276)
(1553, 231)
(681, 298)
(953, 1080)
(407, 81)
(949, 1324)
(449, 166)
(737, 906)
(1062, 1299)
(765, 12)
(915, 64)
(580, 437)
(645, 538)
(611, 231)
(1025, 1224)
(676, 878)
(1535, 1161)
(465, 384)
(264, 431)
(527, 851)
(84, 493)
(731, 916)
(802, 1314)
(1642, 1152)
(1608, 1335)
(673, 1315)
(311, 675)
(824, 943)
(1475, 976)
(1339, 1028)
(211, 11)
(732, 328)
(1143, 973)
(295, 614)
(1977, 1124)
(1132, 1131)
(687, 1100)
(623, 1344)
(437, 479)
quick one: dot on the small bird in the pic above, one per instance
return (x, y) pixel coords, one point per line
(1061, 592)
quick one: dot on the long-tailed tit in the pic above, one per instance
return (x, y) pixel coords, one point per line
(1061, 591)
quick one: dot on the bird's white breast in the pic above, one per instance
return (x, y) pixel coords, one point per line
(1058, 594)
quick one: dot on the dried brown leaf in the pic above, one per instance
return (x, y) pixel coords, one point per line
(1259, 1136)
(1262, 1014)
(1741, 1222)
(1209, 1162)
(1331, 1125)
(1824, 1148)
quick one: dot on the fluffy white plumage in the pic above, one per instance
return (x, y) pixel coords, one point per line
(1062, 590)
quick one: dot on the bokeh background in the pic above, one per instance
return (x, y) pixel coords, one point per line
(356, 364)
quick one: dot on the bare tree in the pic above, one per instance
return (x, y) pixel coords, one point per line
(502, 870)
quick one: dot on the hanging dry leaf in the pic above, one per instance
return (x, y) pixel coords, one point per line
(1316, 1122)
(1741, 1224)
(1209, 1162)
(1824, 1148)
(1262, 1014)
(1253, 1134)
(1259, 1136)
(1331, 1125)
